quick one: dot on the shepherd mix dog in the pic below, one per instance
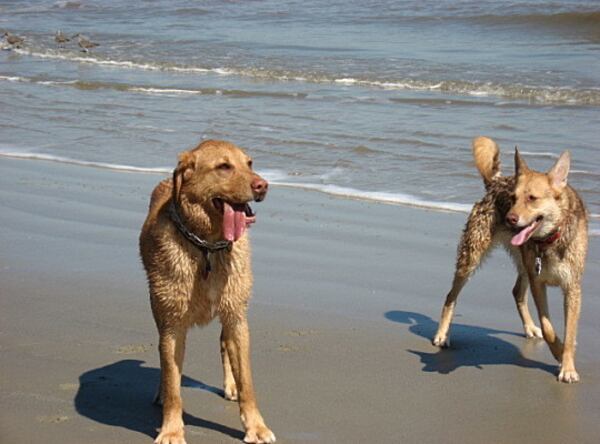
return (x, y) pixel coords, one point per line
(197, 258)
(542, 222)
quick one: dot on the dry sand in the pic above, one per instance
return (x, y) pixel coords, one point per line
(347, 296)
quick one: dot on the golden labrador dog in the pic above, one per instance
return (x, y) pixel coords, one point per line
(196, 254)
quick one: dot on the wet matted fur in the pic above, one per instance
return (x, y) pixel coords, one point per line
(542, 222)
(209, 192)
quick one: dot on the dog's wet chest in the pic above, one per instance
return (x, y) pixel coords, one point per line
(207, 295)
(554, 270)
(224, 288)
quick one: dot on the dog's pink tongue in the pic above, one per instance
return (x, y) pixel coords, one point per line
(234, 223)
(240, 224)
(521, 237)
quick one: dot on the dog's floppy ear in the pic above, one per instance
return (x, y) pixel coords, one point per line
(559, 172)
(520, 165)
(183, 171)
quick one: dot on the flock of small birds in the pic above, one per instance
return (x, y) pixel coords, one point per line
(14, 41)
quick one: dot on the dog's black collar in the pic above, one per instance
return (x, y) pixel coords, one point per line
(207, 248)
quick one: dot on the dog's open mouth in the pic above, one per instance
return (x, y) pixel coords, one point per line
(526, 232)
(236, 218)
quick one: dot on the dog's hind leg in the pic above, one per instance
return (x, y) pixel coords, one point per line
(520, 294)
(441, 338)
(475, 242)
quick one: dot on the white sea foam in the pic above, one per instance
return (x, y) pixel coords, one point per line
(479, 93)
(85, 163)
(535, 94)
(164, 91)
(346, 81)
(55, 82)
(39, 82)
(380, 196)
(539, 154)
(14, 79)
(151, 128)
(116, 63)
(584, 172)
(275, 177)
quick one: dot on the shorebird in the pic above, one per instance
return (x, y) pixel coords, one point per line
(84, 43)
(60, 38)
(13, 40)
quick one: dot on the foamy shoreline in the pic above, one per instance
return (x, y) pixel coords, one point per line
(278, 178)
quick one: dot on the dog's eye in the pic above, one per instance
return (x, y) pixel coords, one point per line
(250, 164)
(224, 166)
(531, 198)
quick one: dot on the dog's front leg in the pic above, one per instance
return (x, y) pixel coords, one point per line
(520, 294)
(171, 348)
(229, 385)
(538, 290)
(236, 339)
(572, 306)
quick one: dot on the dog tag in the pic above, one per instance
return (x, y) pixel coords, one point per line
(538, 265)
(207, 266)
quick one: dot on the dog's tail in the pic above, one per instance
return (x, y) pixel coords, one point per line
(487, 158)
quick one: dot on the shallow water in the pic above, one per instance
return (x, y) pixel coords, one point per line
(377, 100)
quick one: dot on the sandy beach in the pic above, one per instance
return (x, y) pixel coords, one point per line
(347, 296)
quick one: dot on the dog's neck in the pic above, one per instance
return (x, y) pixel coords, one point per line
(549, 240)
(205, 246)
(197, 220)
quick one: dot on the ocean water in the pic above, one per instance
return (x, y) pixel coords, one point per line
(368, 99)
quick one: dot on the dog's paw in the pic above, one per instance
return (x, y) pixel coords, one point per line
(259, 434)
(230, 392)
(568, 376)
(533, 331)
(441, 341)
(170, 437)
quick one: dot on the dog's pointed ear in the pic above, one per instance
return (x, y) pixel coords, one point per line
(559, 172)
(184, 170)
(520, 165)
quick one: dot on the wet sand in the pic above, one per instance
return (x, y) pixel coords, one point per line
(347, 296)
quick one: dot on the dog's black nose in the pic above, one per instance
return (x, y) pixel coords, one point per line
(512, 218)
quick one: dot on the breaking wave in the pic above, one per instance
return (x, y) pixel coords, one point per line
(520, 92)
(151, 90)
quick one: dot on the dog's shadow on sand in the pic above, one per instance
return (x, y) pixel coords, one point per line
(121, 395)
(470, 346)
